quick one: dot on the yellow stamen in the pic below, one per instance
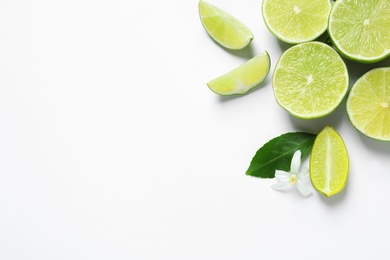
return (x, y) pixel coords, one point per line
(293, 179)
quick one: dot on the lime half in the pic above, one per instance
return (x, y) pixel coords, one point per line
(360, 29)
(329, 162)
(296, 21)
(310, 80)
(224, 28)
(243, 78)
(368, 104)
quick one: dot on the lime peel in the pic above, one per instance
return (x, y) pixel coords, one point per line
(360, 29)
(223, 28)
(329, 162)
(243, 78)
(368, 104)
(310, 80)
(296, 21)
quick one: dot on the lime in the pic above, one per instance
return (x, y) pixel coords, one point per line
(329, 162)
(360, 29)
(296, 21)
(243, 78)
(224, 28)
(310, 80)
(368, 104)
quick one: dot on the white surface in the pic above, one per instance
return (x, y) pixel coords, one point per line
(113, 147)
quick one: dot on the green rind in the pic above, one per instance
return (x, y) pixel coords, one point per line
(249, 40)
(288, 40)
(349, 113)
(261, 80)
(344, 53)
(348, 165)
(352, 58)
(324, 113)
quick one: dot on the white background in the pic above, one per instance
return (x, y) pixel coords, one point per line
(113, 147)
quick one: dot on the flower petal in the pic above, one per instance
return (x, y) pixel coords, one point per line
(283, 185)
(303, 189)
(282, 175)
(296, 162)
(304, 173)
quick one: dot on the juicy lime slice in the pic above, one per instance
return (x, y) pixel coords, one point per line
(224, 28)
(360, 29)
(310, 80)
(329, 162)
(368, 104)
(243, 78)
(296, 21)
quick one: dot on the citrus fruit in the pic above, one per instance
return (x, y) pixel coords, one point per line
(296, 21)
(310, 80)
(368, 104)
(243, 78)
(329, 162)
(224, 28)
(360, 29)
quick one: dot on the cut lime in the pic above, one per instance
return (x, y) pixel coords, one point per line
(360, 29)
(368, 104)
(224, 28)
(243, 78)
(310, 80)
(296, 21)
(329, 162)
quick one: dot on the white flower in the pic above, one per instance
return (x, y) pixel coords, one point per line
(293, 178)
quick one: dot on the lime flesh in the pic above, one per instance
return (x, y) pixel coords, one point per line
(223, 27)
(243, 78)
(296, 21)
(329, 162)
(310, 80)
(360, 29)
(368, 104)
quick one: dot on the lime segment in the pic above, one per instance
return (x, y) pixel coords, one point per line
(296, 21)
(310, 80)
(243, 78)
(360, 29)
(368, 104)
(223, 27)
(329, 162)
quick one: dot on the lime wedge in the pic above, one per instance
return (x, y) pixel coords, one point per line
(296, 21)
(329, 162)
(224, 28)
(243, 78)
(310, 80)
(360, 29)
(368, 104)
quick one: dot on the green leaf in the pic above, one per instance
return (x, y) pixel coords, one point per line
(277, 154)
